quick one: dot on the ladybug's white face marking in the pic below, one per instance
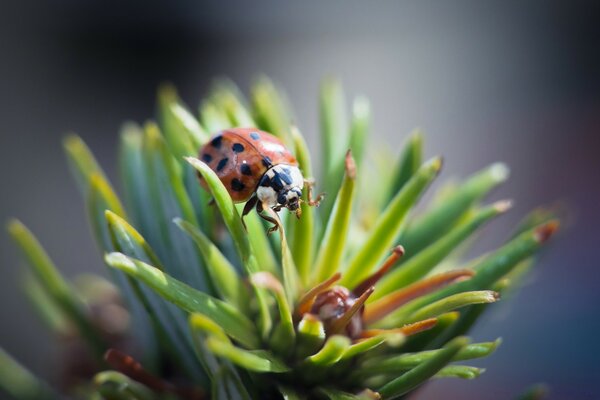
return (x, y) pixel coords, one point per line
(281, 186)
(267, 195)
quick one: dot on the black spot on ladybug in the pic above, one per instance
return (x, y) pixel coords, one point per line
(267, 161)
(237, 185)
(254, 135)
(216, 142)
(222, 163)
(245, 168)
(238, 147)
(206, 158)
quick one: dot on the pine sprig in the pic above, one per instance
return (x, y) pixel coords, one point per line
(232, 313)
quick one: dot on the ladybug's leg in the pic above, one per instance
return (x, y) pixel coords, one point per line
(271, 219)
(248, 207)
(309, 193)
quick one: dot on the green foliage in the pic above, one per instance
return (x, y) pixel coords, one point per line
(19, 383)
(227, 312)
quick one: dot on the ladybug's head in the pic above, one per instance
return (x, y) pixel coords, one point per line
(290, 198)
(281, 186)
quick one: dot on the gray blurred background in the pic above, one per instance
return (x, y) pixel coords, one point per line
(488, 81)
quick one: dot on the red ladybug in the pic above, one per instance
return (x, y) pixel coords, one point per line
(257, 168)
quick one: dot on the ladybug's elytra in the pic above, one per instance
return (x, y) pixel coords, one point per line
(256, 167)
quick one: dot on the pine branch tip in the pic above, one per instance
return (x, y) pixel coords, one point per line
(503, 206)
(399, 250)
(361, 106)
(500, 172)
(416, 135)
(166, 92)
(267, 280)
(546, 231)
(436, 163)
(178, 221)
(350, 165)
(70, 140)
(118, 260)
(13, 225)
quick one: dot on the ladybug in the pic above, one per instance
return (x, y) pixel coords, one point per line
(257, 168)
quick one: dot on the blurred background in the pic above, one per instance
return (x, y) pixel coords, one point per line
(508, 81)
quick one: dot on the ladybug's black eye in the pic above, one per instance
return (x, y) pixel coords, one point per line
(281, 199)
